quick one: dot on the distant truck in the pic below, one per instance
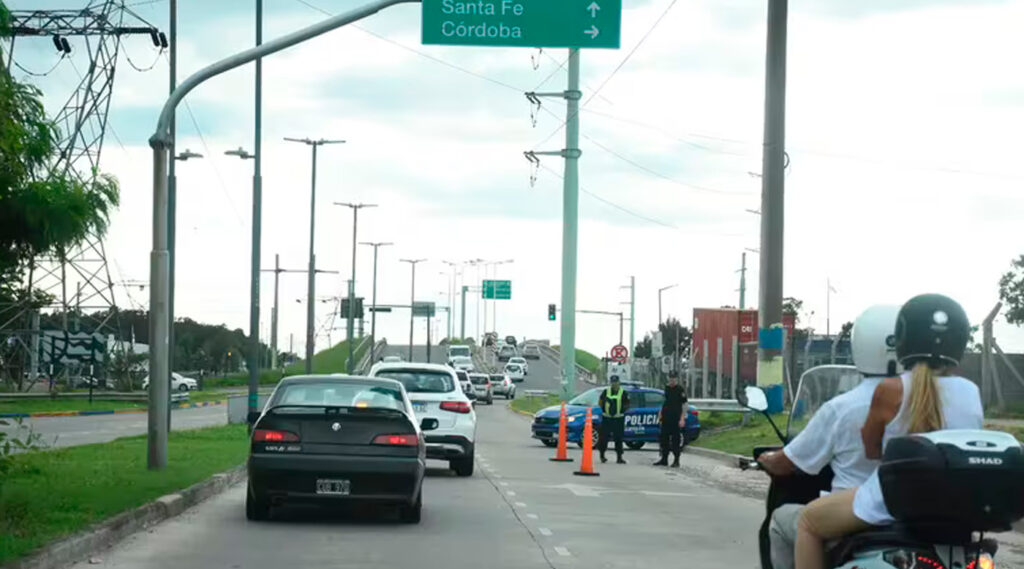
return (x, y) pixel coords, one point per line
(712, 324)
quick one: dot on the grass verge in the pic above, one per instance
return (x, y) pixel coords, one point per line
(586, 360)
(49, 405)
(331, 360)
(533, 404)
(741, 439)
(49, 495)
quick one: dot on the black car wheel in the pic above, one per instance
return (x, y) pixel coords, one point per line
(462, 466)
(635, 445)
(411, 514)
(593, 438)
(257, 508)
(183, 387)
(549, 442)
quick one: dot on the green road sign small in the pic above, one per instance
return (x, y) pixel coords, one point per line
(497, 290)
(423, 309)
(523, 23)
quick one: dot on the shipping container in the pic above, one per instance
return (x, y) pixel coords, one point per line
(725, 323)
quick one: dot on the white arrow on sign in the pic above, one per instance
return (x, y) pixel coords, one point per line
(593, 9)
(592, 32)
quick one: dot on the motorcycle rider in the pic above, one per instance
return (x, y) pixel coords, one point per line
(932, 332)
(832, 437)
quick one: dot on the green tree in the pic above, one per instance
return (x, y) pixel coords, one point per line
(41, 211)
(1011, 291)
(670, 330)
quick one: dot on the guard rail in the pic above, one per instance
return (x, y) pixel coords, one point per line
(96, 396)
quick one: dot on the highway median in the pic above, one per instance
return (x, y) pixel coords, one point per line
(46, 496)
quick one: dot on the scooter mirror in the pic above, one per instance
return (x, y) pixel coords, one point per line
(753, 397)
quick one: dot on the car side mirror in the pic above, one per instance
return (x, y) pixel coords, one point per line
(753, 397)
(253, 417)
(429, 424)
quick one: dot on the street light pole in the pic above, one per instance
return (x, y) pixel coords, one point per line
(171, 239)
(632, 311)
(276, 312)
(253, 362)
(373, 315)
(311, 286)
(350, 327)
(661, 290)
(412, 301)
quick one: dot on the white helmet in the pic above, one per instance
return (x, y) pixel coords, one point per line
(874, 341)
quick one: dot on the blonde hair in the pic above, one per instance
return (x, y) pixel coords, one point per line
(924, 403)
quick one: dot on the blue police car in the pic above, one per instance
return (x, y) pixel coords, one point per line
(641, 418)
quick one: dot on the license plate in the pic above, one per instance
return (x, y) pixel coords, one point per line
(333, 487)
(419, 407)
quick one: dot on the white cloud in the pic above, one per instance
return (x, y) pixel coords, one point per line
(884, 108)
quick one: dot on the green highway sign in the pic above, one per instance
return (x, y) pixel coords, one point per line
(497, 290)
(423, 309)
(523, 23)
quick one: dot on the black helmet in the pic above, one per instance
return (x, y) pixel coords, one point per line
(931, 328)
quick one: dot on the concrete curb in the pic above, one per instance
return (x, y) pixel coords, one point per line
(105, 412)
(518, 412)
(108, 533)
(723, 457)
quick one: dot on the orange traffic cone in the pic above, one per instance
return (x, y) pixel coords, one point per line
(561, 455)
(587, 462)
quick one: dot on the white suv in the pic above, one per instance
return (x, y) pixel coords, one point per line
(463, 363)
(435, 393)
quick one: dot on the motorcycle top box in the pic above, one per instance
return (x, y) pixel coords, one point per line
(968, 479)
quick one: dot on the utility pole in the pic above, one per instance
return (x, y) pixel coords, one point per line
(350, 329)
(661, 290)
(743, 281)
(632, 312)
(462, 334)
(773, 188)
(276, 312)
(254, 275)
(373, 315)
(311, 292)
(412, 301)
(570, 216)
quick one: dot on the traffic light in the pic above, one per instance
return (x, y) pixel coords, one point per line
(551, 312)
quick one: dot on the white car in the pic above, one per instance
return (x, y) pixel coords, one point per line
(178, 383)
(458, 351)
(463, 363)
(531, 351)
(482, 387)
(435, 393)
(521, 361)
(507, 352)
(515, 371)
(391, 359)
(502, 384)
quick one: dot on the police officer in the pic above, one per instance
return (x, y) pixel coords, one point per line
(671, 420)
(614, 403)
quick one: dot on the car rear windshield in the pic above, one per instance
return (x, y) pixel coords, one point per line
(512, 368)
(478, 379)
(459, 351)
(420, 381)
(497, 377)
(340, 394)
(462, 360)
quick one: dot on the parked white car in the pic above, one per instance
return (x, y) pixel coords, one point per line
(515, 371)
(178, 383)
(435, 392)
(463, 363)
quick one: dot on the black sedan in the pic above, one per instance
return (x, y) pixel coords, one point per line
(337, 439)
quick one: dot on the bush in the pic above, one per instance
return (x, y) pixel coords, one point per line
(23, 438)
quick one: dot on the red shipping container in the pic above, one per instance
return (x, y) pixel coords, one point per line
(713, 323)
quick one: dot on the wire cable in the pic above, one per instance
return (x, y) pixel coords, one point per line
(418, 52)
(35, 74)
(213, 164)
(138, 68)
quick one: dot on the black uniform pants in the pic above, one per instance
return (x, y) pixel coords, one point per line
(614, 427)
(669, 437)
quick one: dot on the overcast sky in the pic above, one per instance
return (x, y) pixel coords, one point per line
(903, 127)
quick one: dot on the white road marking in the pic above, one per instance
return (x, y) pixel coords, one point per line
(562, 551)
(496, 475)
(545, 532)
(510, 493)
(503, 483)
(521, 504)
(532, 516)
(653, 493)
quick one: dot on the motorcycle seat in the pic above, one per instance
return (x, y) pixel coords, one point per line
(895, 535)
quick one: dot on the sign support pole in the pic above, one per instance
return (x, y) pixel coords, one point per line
(570, 218)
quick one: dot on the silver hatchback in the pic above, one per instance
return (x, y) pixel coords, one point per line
(482, 387)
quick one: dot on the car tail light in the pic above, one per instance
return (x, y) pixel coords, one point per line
(269, 436)
(456, 406)
(397, 440)
(695, 412)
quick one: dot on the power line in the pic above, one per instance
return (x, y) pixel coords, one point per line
(418, 52)
(213, 164)
(614, 71)
(660, 175)
(615, 205)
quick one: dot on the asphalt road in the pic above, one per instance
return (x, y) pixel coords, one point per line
(71, 431)
(517, 511)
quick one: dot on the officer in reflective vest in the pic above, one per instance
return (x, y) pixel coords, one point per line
(614, 403)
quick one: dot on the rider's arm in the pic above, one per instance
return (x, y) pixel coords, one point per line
(814, 448)
(885, 404)
(776, 463)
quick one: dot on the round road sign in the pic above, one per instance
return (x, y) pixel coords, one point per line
(620, 353)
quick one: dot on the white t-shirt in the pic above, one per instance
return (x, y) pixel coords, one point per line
(833, 437)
